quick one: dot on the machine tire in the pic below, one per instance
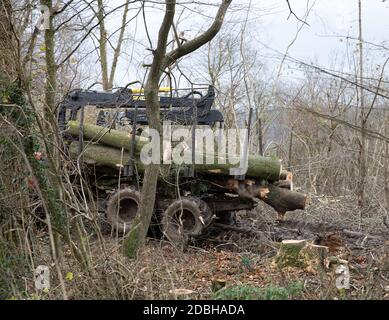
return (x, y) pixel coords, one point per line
(122, 208)
(196, 216)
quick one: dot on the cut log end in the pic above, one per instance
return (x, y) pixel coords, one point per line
(280, 199)
(286, 175)
(283, 200)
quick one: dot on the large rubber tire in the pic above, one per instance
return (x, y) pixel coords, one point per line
(122, 208)
(185, 218)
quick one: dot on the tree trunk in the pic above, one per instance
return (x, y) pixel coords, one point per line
(386, 167)
(50, 110)
(100, 155)
(162, 61)
(138, 232)
(260, 142)
(362, 145)
(103, 45)
(290, 151)
(118, 46)
(53, 190)
(8, 54)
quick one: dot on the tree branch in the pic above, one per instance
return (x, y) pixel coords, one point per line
(118, 45)
(159, 52)
(292, 13)
(202, 39)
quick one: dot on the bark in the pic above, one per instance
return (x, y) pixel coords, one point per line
(260, 142)
(118, 47)
(8, 54)
(202, 39)
(54, 187)
(137, 235)
(386, 169)
(103, 44)
(161, 61)
(283, 200)
(102, 156)
(51, 67)
(50, 111)
(362, 145)
(110, 156)
(112, 138)
(258, 166)
(290, 151)
(280, 199)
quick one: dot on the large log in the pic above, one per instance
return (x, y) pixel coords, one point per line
(110, 137)
(258, 166)
(286, 180)
(283, 200)
(102, 156)
(280, 199)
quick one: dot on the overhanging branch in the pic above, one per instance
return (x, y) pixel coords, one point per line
(202, 39)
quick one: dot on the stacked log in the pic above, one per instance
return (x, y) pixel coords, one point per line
(258, 166)
(265, 179)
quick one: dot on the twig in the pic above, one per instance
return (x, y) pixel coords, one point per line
(292, 13)
(385, 221)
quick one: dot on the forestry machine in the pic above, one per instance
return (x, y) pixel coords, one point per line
(183, 210)
(128, 104)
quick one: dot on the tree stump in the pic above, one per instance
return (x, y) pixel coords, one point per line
(289, 254)
(301, 254)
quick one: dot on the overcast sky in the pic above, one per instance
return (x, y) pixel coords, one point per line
(321, 41)
(327, 20)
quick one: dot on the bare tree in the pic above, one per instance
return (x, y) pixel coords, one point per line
(362, 142)
(103, 44)
(162, 61)
(8, 42)
(386, 168)
(108, 74)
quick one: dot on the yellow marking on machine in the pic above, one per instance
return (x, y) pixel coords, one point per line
(142, 90)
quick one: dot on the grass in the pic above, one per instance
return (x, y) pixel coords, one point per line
(270, 292)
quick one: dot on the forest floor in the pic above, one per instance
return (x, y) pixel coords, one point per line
(244, 261)
(239, 264)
